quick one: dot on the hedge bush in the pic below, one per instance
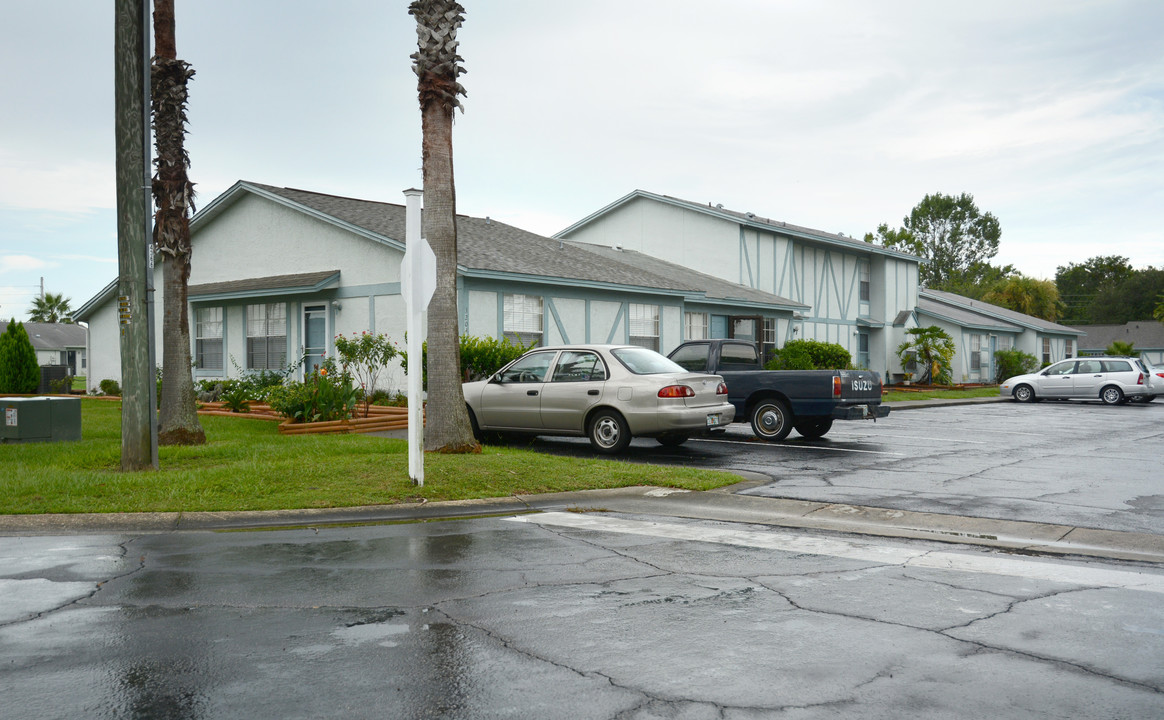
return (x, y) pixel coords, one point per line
(810, 355)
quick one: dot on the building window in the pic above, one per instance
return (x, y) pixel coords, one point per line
(266, 336)
(208, 338)
(644, 326)
(1046, 351)
(1070, 351)
(523, 318)
(1005, 342)
(695, 325)
(975, 353)
(863, 283)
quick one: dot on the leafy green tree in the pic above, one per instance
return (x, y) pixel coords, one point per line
(932, 349)
(19, 371)
(1132, 299)
(951, 234)
(1030, 296)
(1158, 313)
(51, 309)
(1079, 284)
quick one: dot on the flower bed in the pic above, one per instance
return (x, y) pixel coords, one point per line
(379, 418)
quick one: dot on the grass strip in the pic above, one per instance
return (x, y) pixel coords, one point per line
(250, 466)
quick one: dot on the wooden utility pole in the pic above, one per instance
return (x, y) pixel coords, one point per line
(139, 450)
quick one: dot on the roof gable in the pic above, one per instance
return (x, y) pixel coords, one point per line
(745, 219)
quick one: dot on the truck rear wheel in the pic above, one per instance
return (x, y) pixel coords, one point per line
(771, 420)
(813, 428)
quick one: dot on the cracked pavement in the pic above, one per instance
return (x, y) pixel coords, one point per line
(566, 615)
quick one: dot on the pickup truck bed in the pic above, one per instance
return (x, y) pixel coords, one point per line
(777, 401)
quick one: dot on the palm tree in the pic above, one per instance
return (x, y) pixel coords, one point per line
(1030, 296)
(51, 309)
(437, 66)
(174, 198)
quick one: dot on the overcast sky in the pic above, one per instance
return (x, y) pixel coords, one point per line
(836, 115)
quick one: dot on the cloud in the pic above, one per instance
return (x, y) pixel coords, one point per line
(21, 263)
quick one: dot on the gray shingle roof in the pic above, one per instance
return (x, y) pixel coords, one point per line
(299, 282)
(485, 245)
(994, 311)
(1144, 334)
(52, 336)
(963, 316)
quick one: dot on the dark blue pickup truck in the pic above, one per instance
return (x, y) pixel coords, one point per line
(776, 401)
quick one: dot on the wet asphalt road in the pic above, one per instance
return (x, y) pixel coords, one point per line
(612, 615)
(1071, 463)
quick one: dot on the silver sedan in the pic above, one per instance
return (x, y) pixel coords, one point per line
(608, 393)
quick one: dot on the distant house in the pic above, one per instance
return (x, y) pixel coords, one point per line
(860, 295)
(57, 344)
(980, 329)
(277, 273)
(851, 290)
(1147, 336)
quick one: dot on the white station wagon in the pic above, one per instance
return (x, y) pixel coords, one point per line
(607, 393)
(1114, 380)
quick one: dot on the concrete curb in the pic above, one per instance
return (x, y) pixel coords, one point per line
(723, 505)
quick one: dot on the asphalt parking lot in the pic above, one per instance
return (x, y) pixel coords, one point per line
(1074, 463)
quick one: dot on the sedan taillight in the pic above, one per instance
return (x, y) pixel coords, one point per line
(676, 391)
(722, 389)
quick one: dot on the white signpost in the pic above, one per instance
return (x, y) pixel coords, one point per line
(417, 283)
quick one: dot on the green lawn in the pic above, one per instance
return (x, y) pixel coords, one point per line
(896, 395)
(247, 465)
(79, 382)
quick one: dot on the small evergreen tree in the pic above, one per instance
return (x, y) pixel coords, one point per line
(19, 371)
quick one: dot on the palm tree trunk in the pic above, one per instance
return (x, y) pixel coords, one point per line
(437, 66)
(173, 196)
(447, 428)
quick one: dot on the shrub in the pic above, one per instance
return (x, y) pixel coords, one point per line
(325, 395)
(1013, 362)
(810, 355)
(61, 387)
(19, 371)
(236, 397)
(480, 357)
(932, 349)
(110, 387)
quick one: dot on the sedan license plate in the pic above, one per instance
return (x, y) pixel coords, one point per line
(712, 419)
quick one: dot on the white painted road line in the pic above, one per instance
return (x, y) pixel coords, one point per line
(857, 550)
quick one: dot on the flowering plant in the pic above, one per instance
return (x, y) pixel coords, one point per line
(365, 356)
(326, 394)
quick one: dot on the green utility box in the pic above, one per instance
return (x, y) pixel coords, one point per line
(39, 419)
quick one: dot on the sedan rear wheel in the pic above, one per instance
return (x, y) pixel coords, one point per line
(771, 420)
(1112, 395)
(1024, 393)
(608, 432)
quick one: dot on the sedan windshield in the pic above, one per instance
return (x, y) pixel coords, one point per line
(642, 361)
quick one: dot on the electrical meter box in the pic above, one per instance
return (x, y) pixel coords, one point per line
(39, 419)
